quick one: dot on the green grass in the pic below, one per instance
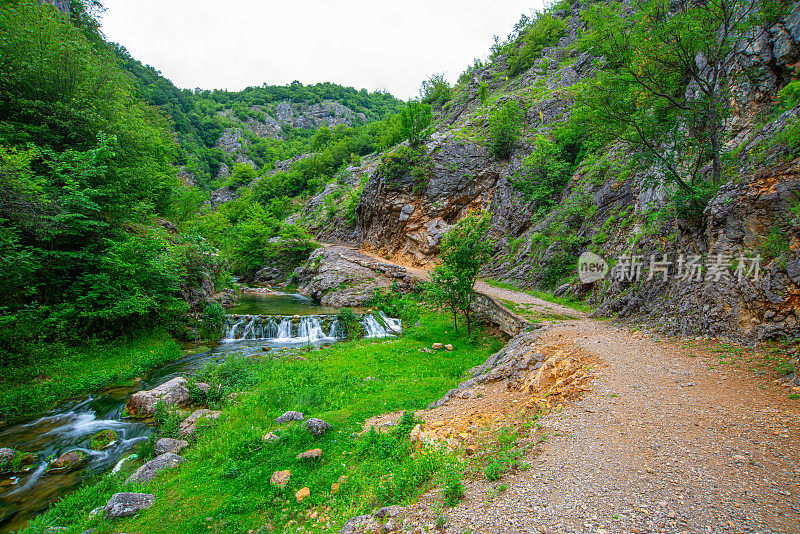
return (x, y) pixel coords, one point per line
(29, 390)
(227, 474)
(544, 295)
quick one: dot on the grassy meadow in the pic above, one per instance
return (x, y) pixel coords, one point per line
(224, 487)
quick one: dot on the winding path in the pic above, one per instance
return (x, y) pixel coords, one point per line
(676, 436)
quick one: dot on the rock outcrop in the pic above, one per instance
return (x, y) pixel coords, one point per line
(69, 461)
(191, 424)
(142, 404)
(127, 504)
(341, 276)
(148, 471)
(165, 445)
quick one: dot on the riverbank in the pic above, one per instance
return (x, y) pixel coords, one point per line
(32, 389)
(226, 476)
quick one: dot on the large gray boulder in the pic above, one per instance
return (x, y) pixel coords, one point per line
(148, 471)
(127, 504)
(341, 276)
(173, 393)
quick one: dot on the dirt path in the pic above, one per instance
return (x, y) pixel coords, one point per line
(526, 304)
(523, 303)
(669, 440)
(676, 436)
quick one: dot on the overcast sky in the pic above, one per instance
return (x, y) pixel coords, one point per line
(368, 44)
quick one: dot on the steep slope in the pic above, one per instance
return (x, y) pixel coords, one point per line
(614, 204)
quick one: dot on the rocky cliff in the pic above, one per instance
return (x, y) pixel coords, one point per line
(609, 207)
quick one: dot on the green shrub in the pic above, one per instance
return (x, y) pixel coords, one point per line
(789, 96)
(453, 490)
(395, 304)
(350, 322)
(774, 246)
(504, 128)
(545, 30)
(544, 173)
(483, 92)
(415, 122)
(435, 91)
(690, 205)
(407, 160)
(211, 321)
(556, 268)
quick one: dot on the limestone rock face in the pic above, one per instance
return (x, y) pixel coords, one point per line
(399, 218)
(127, 504)
(340, 276)
(173, 393)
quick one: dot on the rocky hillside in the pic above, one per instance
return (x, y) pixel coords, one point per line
(271, 122)
(612, 205)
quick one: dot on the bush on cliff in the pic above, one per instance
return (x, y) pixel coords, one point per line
(504, 129)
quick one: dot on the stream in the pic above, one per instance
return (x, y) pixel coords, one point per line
(257, 321)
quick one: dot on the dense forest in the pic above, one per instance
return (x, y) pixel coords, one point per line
(99, 235)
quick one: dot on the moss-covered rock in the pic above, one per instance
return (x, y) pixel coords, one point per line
(13, 461)
(69, 461)
(102, 440)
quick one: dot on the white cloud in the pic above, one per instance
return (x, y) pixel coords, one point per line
(366, 44)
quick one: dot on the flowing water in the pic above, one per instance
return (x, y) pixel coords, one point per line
(258, 321)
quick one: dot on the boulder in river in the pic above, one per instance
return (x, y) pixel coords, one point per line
(175, 446)
(189, 425)
(173, 393)
(69, 461)
(127, 504)
(148, 471)
(12, 461)
(102, 440)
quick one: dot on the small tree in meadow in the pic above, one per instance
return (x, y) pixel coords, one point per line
(465, 248)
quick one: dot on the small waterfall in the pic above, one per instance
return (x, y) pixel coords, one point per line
(337, 332)
(303, 329)
(395, 326)
(310, 329)
(284, 329)
(372, 328)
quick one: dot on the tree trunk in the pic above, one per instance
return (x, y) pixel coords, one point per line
(455, 317)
